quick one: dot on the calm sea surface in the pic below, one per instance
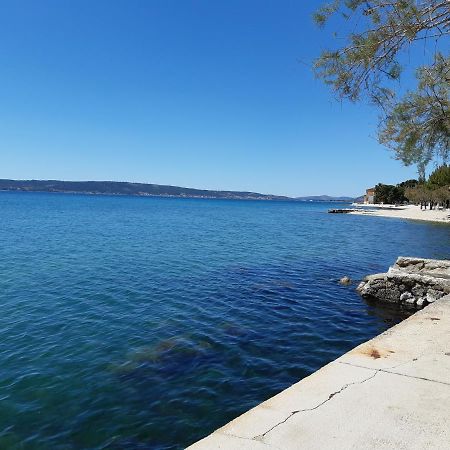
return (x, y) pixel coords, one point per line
(141, 323)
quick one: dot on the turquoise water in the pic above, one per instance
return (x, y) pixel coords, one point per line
(146, 323)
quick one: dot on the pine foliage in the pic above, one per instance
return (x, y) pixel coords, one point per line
(415, 126)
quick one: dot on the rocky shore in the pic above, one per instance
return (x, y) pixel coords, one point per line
(412, 282)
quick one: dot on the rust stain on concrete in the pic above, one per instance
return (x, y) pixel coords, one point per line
(375, 352)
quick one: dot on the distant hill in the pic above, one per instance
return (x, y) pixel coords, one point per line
(125, 188)
(324, 198)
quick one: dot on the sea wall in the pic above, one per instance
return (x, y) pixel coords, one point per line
(391, 392)
(412, 282)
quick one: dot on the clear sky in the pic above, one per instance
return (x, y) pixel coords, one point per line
(198, 93)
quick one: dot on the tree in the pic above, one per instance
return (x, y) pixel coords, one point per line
(435, 191)
(440, 177)
(442, 196)
(419, 195)
(386, 193)
(439, 183)
(413, 194)
(408, 184)
(417, 126)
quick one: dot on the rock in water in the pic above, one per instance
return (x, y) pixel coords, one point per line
(345, 281)
(411, 282)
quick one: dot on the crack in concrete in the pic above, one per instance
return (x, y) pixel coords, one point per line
(249, 439)
(385, 368)
(260, 437)
(416, 378)
(396, 366)
(390, 371)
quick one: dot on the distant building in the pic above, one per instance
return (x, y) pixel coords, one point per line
(369, 198)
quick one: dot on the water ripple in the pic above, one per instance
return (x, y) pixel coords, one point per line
(138, 323)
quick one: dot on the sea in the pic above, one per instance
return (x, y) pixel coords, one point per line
(132, 323)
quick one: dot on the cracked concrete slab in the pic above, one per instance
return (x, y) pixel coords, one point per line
(223, 441)
(317, 388)
(388, 411)
(392, 392)
(308, 395)
(253, 423)
(416, 347)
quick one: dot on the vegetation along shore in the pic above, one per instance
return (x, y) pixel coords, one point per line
(413, 199)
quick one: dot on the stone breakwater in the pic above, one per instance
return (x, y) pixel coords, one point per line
(412, 282)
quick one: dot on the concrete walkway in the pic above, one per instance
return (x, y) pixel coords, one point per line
(392, 392)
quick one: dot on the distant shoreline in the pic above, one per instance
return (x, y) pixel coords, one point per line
(94, 194)
(117, 194)
(126, 188)
(122, 188)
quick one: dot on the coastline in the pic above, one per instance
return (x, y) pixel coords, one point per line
(120, 194)
(410, 212)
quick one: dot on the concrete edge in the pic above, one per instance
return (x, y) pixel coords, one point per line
(390, 352)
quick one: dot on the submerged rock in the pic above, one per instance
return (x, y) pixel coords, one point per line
(168, 358)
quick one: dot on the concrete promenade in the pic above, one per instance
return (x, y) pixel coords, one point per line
(392, 392)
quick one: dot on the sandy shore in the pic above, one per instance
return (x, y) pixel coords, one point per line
(408, 212)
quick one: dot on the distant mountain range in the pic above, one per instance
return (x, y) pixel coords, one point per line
(324, 198)
(143, 189)
(125, 188)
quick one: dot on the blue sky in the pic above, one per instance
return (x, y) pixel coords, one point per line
(197, 93)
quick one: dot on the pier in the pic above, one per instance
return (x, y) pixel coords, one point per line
(341, 211)
(392, 392)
